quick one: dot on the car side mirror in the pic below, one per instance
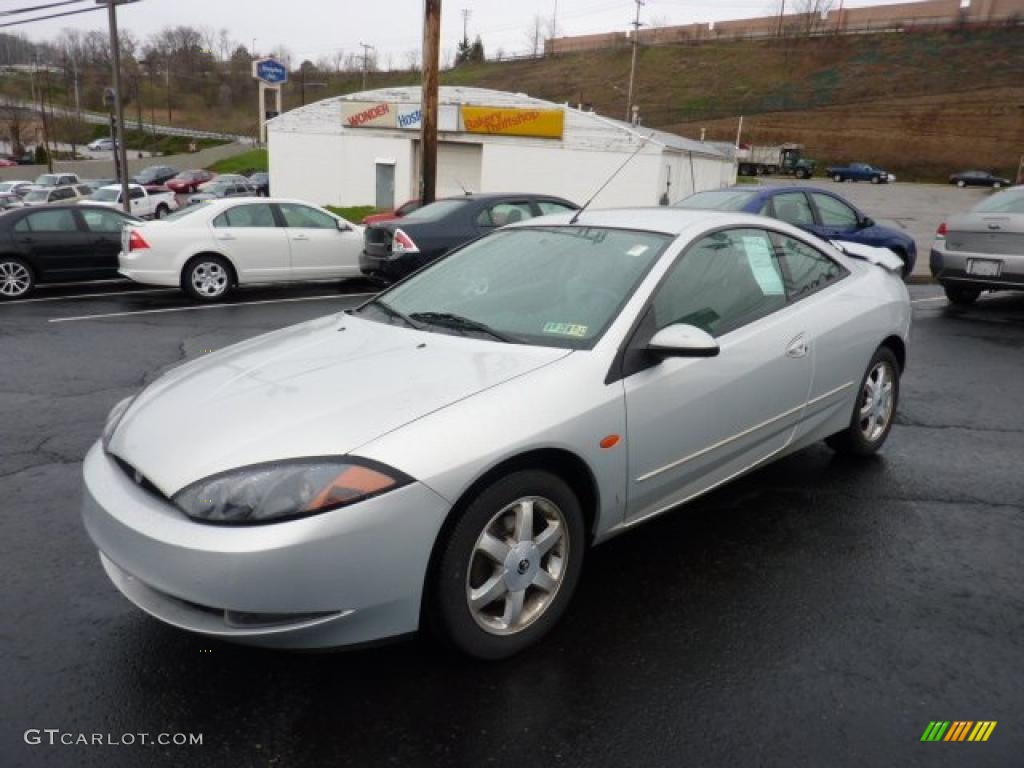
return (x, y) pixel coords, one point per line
(681, 340)
(866, 222)
(342, 226)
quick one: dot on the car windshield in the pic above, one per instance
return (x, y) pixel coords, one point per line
(37, 196)
(106, 195)
(549, 286)
(1010, 201)
(718, 200)
(436, 210)
(47, 180)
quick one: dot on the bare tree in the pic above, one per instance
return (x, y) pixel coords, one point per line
(535, 34)
(412, 60)
(809, 16)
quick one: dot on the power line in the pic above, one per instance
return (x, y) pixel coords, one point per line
(53, 16)
(30, 8)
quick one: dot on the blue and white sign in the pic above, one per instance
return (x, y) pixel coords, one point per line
(270, 71)
(410, 117)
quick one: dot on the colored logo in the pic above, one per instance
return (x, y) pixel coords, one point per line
(958, 730)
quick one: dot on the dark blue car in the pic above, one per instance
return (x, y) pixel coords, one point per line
(822, 213)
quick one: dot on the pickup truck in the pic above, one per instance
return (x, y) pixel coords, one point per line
(859, 172)
(146, 202)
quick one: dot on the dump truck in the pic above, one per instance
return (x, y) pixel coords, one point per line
(763, 160)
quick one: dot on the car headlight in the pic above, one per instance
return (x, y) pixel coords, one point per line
(279, 491)
(114, 418)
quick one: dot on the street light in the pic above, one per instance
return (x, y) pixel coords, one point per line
(115, 55)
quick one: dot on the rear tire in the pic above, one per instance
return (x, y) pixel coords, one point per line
(961, 183)
(161, 211)
(16, 278)
(801, 174)
(207, 278)
(498, 587)
(876, 179)
(837, 178)
(960, 295)
(874, 409)
(997, 185)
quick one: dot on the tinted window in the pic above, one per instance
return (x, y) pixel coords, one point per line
(724, 281)
(550, 206)
(107, 195)
(504, 213)
(834, 213)
(718, 200)
(102, 221)
(306, 217)
(408, 208)
(794, 208)
(436, 210)
(246, 216)
(135, 193)
(62, 194)
(806, 269)
(51, 221)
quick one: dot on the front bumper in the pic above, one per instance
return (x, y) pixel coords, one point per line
(951, 266)
(353, 575)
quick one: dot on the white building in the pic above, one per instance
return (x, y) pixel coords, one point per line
(362, 149)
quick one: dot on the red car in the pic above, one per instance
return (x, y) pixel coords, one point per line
(403, 210)
(6, 162)
(188, 181)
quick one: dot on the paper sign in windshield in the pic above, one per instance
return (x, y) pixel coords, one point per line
(759, 257)
(566, 329)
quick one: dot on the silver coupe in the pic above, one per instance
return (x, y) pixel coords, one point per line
(444, 455)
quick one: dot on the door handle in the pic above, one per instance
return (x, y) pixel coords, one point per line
(798, 347)
(300, 237)
(225, 237)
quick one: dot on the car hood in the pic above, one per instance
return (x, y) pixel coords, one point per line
(321, 388)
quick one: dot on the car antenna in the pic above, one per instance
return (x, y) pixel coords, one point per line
(608, 181)
(462, 186)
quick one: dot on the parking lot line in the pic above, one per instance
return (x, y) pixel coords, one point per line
(931, 298)
(208, 306)
(86, 296)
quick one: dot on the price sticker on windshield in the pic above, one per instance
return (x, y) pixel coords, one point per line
(566, 329)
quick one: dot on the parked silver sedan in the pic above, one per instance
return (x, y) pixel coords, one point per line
(448, 452)
(983, 249)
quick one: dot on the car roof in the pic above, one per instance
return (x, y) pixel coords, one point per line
(663, 219)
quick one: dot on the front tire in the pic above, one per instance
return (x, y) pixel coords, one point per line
(508, 568)
(876, 179)
(207, 278)
(961, 183)
(837, 178)
(960, 295)
(16, 278)
(874, 409)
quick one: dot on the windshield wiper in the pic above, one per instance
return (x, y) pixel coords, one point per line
(460, 323)
(390, 311)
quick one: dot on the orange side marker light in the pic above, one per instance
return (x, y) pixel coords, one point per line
(610, 441)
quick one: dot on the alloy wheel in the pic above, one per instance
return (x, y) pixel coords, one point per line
(876, 403)
(209, 279)
(517, 565)
(15, 279)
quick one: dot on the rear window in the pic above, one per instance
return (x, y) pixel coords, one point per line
(436, 210)
(181, 213)
(1010, 201)
(106, 195)
(718, 200)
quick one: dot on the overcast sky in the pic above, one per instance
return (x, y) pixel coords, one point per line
(314, 28)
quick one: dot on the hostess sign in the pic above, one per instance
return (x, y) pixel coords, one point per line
(547, 123)
(270, 71)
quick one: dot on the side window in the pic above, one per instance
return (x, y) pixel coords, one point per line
(135, 193)
(102, 221)
(793, 207)
(306, 217)
(51, 221)
(835, 213)
(722, 282)
(806, 269)
(550, 206)
(504, 213)
(246, 216)
(23, 225)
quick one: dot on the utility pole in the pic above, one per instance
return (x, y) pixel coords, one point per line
(115, 55)
(366, 60)
(632, 67)
(428, 122)
(782, 12)
(466, 13)
(554, 22)
(167, 85)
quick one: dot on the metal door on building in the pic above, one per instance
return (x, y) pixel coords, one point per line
(385, 186)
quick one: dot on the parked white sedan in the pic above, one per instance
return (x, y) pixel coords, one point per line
(209, 248)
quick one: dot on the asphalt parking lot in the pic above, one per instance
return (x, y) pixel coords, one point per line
(918, 209)
(819, 612)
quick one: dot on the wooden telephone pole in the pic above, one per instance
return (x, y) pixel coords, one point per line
(428, 106)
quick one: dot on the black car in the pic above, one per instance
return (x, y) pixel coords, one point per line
(260, 180)
(394, 249)
(155, 174)
(979, 179)
(58, 243)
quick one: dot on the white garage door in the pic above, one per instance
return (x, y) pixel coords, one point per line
(458, 167)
